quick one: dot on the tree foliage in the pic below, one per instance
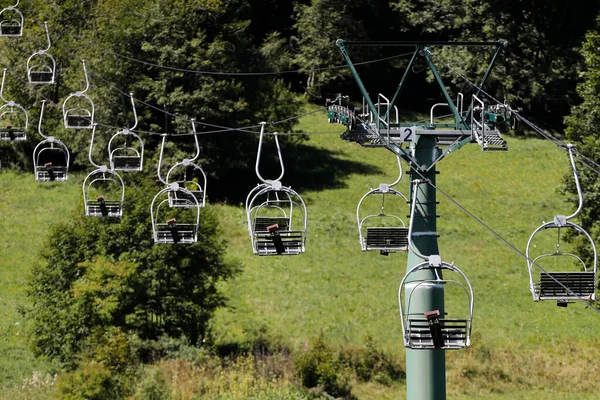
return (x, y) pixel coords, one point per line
(583, 130)
(99, 275)
(538, 71)
(124, 43)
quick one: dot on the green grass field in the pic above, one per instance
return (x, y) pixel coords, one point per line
(521, 350)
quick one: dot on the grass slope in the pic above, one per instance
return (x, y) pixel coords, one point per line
(337, 290)
(27, 210)
(520, 349)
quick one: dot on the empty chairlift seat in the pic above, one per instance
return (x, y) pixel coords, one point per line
(78, 108)
(381, 229)
(567, 284)
(78, 111)
(189, 175)
(387, 238)
(41, 66)
(557, 273)
(126, 151)
(11, 22)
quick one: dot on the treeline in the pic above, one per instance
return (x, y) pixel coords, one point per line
(537, 73)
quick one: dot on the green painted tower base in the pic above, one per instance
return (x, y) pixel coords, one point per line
(425, 369)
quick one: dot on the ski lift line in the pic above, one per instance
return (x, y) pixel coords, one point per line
(153, 133)
(296, 116)
(501, 238)
(202, 72)
(584, 160)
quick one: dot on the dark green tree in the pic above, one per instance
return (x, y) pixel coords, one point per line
(152, 50)
(538, 71)
(97, 275)
(583, 130)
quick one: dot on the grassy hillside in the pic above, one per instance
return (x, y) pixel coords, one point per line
(520, 349)
(337, 290)
(27, 209)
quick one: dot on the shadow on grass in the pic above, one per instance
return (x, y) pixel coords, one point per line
(306, 168)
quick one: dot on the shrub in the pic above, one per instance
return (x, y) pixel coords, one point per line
(92, 381)
(318, 367)
(373, 364)
(152, 386)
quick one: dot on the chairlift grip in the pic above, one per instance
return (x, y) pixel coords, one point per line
(134, 112)
(193, 120)
(160, 159)
(87, 80)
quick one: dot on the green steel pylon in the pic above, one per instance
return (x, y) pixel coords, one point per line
(428, 145)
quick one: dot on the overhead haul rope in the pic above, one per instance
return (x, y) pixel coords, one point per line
(246, 129)
(505, 241)
(203, 72)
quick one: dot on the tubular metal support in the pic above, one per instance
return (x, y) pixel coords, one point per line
(577, 184)
(2, 87)
(92, 146)
(260, 143)
(41, 117)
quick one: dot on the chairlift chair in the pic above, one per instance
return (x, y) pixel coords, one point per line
(426, 329)
(51, 160)
(14, 122)
(78, 108)
(277, 215)
(129, 155)
(174, 225)
(50, 157)
(384, 231)
(277, 220)
(14, 119)
(189, 175)
(41, 66)
(103, 193)
(569, 283)
(11, 21)
(78, 111)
